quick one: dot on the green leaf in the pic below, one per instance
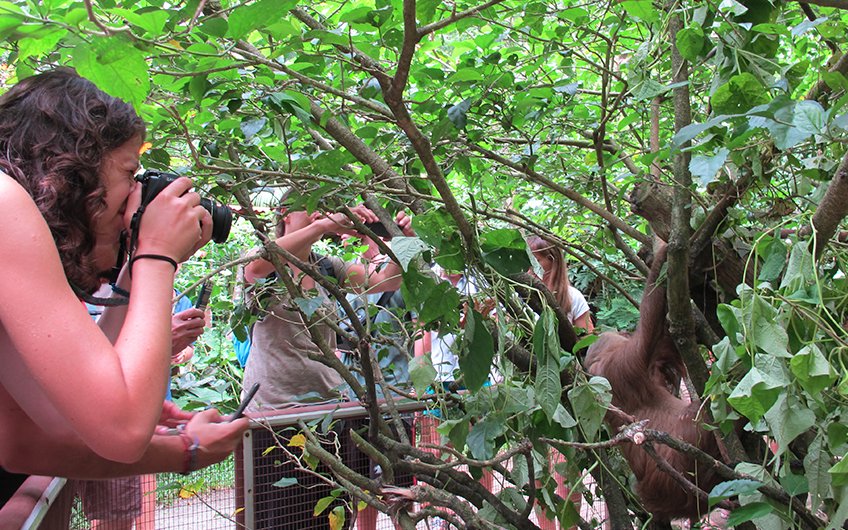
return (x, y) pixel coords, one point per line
(816, 463)
(690, 41)
(336, 518)
(285, 482)
(481, 439)
(545, 339)
(378, 17)
(309, 305)
(812, 369)
(749, 512)
(407, 249)
(438, 229)
(771, 29)
(328, 37)
(648, 89)
(799, 269)
(809, 117)
(727, 315)
(465, 74)
(251, 126)
(506, 250)
(766, 331)
(732, 488)
(788, 419)
(38, 46)
(425, 10)
(151, 20)
(562, 417)
(590, 403)
(795, 485)
(245, 19)
(548, 386)
(739, 94)
(116, 67)
(839, 472)
(586, 341)
(294, 103)
(754, 395)
(578, 15)
(774, 260)
(216, 27)
(456, 431)
(421, 373)
(837, 434)
(322, 504)
(431, 299)
(458, 114)
(10, 23)
(371, 88)
(694, 129)
(782, 126)
(475, 359)
(358, 14)
(644, 10)
(198, 86)
(706, 167)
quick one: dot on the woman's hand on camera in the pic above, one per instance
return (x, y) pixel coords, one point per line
(174, 224)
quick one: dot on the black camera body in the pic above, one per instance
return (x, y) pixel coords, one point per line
(153, 182)
(379, 230)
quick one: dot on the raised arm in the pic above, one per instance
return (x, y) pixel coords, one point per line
(379, 277)
(299, 242)
(652, 311)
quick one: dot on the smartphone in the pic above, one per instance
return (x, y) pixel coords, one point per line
(203, 297)
(244, 402)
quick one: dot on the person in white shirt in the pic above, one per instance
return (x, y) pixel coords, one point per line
(573, 303)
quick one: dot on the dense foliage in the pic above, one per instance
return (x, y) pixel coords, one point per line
(719, 126)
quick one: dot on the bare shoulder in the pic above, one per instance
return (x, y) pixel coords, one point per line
(15, 200)
(20, 219)
(27, 249)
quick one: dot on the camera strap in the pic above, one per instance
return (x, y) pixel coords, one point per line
(135, 223)
(119, 262)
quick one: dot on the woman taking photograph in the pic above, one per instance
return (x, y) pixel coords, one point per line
(77, 400)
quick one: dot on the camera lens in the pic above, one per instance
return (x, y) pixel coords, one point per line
(222, 220)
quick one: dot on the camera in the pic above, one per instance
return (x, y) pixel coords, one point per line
(152, 182)
(379, 230)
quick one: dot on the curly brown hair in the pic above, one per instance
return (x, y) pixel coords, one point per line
(55, 129)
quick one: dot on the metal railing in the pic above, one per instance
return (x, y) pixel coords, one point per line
(254, 489)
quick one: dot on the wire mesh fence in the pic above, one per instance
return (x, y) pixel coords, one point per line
(205, 499)
(269, 484)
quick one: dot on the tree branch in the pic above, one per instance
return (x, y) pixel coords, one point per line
(832, 209)
(436, 26)
(571, 194)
